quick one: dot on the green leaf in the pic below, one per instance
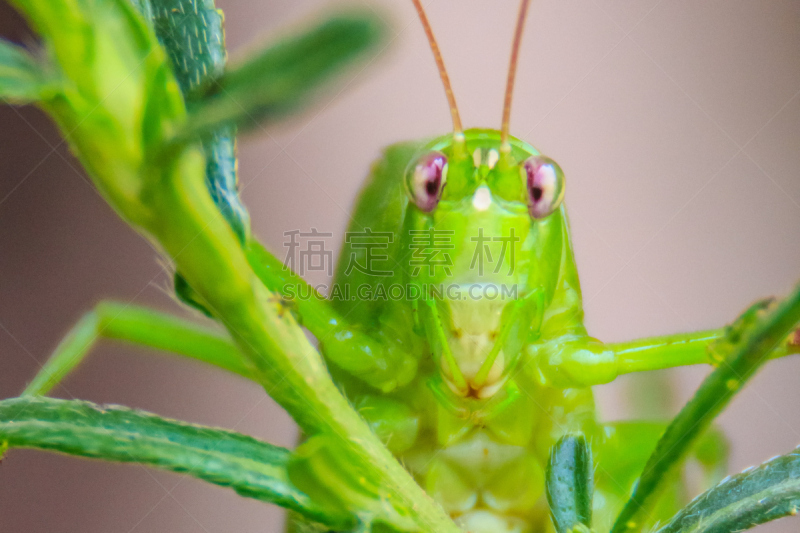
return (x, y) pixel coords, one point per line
(282, 77)
(570, 484)
(767, 492)
(22, 79)
(746, 346)
(252, 468)
(191, 32)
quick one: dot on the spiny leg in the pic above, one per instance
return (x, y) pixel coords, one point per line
(142, 326)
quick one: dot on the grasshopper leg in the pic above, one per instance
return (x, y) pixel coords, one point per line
(376, 359)
(585, 362)
(142, 326)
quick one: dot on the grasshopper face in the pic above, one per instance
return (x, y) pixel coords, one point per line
(484, 219)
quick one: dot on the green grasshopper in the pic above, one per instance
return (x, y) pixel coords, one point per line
(470, 369)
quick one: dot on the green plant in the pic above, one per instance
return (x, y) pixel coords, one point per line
(141, 148)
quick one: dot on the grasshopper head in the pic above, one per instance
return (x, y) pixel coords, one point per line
(484, 232)
(488, 199)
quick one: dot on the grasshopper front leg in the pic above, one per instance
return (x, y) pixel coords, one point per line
(142, 326)
(581, 361)
(378, 359)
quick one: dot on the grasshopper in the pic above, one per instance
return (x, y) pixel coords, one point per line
(472, 372)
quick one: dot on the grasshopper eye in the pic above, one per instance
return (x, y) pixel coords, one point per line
(426, 180)
(545, 182)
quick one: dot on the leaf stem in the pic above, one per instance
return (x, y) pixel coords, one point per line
(752, 343)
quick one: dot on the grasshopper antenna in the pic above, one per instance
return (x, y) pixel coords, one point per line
(512, 73)
(437, 56)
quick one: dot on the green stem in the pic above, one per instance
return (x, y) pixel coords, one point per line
(292, 371)
(120, 104)
(752, 344)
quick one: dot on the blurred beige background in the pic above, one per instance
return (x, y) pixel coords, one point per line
(676, 121)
